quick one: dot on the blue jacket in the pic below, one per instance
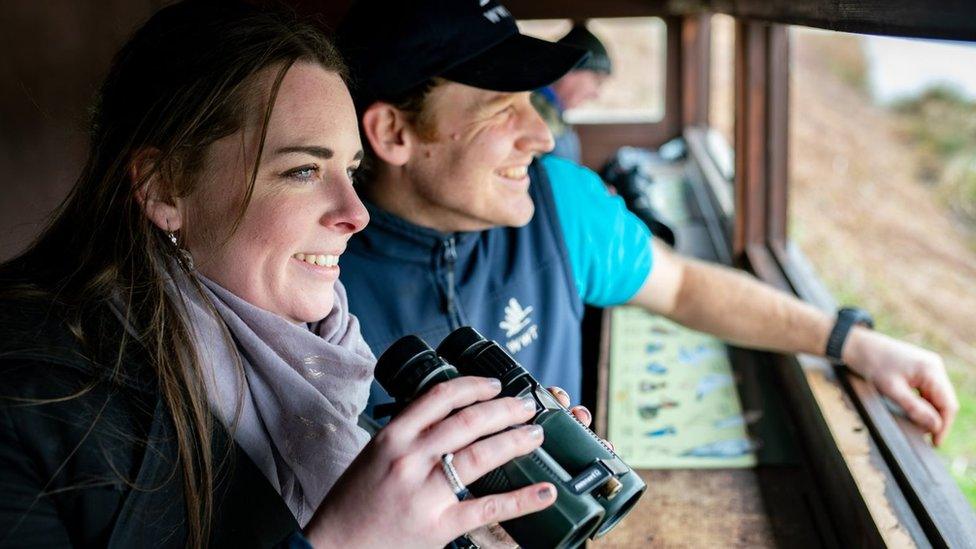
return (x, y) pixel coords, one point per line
(514, 285)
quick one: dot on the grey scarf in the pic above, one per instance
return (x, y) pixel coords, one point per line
(304, 386)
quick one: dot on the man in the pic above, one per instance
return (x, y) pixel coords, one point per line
(578, 86)
(469, 228)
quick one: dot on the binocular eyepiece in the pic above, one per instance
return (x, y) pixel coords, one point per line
(594, 487)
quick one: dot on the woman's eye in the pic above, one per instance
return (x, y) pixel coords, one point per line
(351, 172)
(304, 173)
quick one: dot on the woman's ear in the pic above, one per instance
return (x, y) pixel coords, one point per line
(388, 133)
(154, 193)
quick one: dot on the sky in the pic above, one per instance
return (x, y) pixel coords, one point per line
(902, 67)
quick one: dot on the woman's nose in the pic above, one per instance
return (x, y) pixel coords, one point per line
(347, 213)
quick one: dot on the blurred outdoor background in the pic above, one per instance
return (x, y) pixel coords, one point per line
(883, 182)
(882, 170)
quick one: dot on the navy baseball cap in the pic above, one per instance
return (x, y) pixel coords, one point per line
(393, 46)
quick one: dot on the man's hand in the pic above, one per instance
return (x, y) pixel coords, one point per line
(897, 369)
(745, 312)
(580, 412)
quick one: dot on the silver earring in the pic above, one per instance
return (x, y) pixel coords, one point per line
(182, 253)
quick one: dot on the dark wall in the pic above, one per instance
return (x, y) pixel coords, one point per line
(53, 54)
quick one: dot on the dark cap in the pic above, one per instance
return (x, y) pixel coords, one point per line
(393, 46)
(581, 37)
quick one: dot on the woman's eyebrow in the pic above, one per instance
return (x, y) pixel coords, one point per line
(321, 152)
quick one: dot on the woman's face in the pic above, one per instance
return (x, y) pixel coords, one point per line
(283, 257)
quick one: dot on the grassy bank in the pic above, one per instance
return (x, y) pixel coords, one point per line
(884, 204)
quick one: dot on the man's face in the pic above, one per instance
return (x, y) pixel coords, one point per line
(578, 87)
(470, 169)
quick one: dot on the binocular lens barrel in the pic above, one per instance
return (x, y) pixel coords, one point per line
(409, 367)
(597, 469)
(462, 345)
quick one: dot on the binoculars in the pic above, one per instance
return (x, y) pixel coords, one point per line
(594, 487)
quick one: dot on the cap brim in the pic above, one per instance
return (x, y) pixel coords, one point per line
(518, 63)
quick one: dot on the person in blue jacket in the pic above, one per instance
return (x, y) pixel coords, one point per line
(469, 226)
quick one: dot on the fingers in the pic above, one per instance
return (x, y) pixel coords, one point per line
(475, 513)
(948, 413)
(937, 389)
(561, 395)
(441, 400)
(582, 414)
(476, 421)
(918, 409)
(481, 457)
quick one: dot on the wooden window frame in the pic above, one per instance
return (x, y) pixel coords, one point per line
(918, 488)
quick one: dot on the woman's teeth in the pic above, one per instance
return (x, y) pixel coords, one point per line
(320, 260)
(514, 173)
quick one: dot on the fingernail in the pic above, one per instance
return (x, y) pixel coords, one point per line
(545, 494)
(534, 431)
(495, 383)
(586, 413)
(528, 403)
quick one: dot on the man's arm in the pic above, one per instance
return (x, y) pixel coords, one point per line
(738, 308)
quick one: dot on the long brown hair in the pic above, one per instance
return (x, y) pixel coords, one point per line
(184, 79)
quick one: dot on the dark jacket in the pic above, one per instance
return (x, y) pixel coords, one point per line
(513, 284)
(95, 467)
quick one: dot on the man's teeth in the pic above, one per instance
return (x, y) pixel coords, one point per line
(320, 260)
(514, 173)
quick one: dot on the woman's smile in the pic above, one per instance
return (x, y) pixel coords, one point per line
(321, 265)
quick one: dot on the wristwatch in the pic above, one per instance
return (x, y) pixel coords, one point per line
(847, 318)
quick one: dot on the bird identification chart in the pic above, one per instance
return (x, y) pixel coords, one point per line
(673, 402)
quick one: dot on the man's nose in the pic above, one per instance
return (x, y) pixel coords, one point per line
(536, 136)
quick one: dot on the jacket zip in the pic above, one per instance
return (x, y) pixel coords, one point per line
(450, 259)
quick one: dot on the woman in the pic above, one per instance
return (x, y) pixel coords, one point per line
(177, 363)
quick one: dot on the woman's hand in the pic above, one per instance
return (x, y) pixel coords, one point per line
(396, 493)
(913, 377)
(492, 536)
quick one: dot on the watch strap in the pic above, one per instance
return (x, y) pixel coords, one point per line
(847, 318)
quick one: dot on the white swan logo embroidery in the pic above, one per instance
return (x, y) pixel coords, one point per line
(516, 317)
(518, 326)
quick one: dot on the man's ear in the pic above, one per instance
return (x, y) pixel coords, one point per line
(388, 132)
(153, 193)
